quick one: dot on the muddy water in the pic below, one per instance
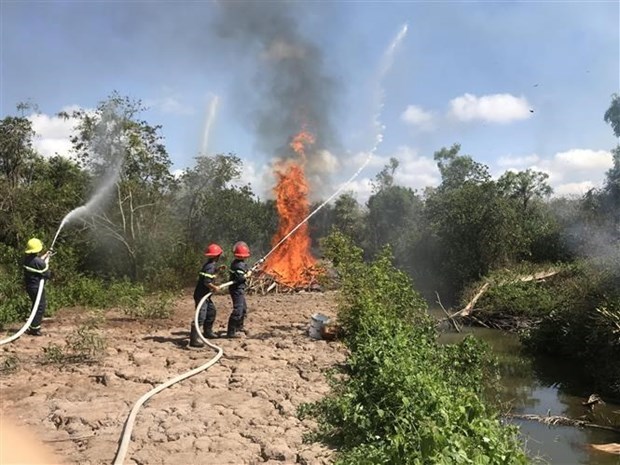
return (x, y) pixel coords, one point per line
(549, 387)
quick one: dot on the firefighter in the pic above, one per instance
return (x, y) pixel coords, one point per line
(239, 272)
(205, 285)
(36, 268)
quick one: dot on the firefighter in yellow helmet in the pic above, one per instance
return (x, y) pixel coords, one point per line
(36, 268)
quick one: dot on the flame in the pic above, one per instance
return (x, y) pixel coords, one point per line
(292, 263)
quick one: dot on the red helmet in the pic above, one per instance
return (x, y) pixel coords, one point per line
(213, 250)
(241, 250)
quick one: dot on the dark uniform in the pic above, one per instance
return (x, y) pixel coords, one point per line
(35, 269)
(207, 313)
(238, 271)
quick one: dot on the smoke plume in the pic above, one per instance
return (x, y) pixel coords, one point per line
(290, 87)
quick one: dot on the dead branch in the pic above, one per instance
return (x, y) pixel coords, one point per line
(468, 309)
(470, 305)
(556, 420)
(535, 277)
(452, 320)
(611, 448)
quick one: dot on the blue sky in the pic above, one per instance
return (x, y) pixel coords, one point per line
(466, 72)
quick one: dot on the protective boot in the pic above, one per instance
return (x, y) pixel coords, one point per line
(194, 339)
(32, 331)
(232, 329)
(208, 331)
(241, 327)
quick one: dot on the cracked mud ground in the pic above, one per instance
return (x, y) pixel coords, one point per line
(243, 410)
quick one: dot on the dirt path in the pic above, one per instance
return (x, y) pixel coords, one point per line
(240, 411)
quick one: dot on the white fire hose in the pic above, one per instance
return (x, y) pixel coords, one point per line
(122, 449)
(30, 318)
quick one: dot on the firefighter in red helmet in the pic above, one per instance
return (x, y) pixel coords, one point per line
(239, 272)
(205, 285)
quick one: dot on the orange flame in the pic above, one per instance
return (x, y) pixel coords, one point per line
(292, 262)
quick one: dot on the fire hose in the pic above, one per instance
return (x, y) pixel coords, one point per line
(30, 318)
(122, 449)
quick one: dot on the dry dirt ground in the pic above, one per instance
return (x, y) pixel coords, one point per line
(243, 410)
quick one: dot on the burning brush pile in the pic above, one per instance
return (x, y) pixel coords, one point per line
(291, 267)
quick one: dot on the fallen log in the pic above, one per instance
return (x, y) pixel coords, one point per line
(470, 305)
(469, 308)
(535, 277)
(611, 448)
(557, 420)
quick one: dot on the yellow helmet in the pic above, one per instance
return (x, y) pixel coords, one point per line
(34, 245)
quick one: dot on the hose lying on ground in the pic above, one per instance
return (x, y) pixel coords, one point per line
(122, 450)
(30, 318)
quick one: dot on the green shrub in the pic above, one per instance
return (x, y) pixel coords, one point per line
(402, 398)
(85, 344)
(9, 364)
(154, 306)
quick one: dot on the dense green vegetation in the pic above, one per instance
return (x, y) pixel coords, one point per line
(401, 398)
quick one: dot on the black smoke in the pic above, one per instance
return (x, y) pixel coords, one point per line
(289, 87)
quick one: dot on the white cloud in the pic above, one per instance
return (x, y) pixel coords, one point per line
(418, 117)
(573, 188)
(414, 171)
(578, 165)
(362, 188)
(586, 159)
(53, 133)
(573, 171)
(495, 108)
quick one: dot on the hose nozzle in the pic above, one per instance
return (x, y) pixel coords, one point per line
(258, 264)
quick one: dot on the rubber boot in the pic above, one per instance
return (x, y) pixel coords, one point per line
(34, 331)
(194, 339)
(208, 331)
(241, 327)
(232, 329)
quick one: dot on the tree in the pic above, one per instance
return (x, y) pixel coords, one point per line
(523, 186)
(458, 169)
(348, 216)
(16, 150)
(214, 208)
(385, 177)
(612, 115)
(113, 141)
(475, 226)
(201, 184)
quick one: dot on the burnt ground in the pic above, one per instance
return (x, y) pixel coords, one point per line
(243, 410)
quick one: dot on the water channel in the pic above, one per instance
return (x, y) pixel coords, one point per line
(549, 387)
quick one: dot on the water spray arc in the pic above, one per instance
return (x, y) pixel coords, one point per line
(211, 113)
(101, 194)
